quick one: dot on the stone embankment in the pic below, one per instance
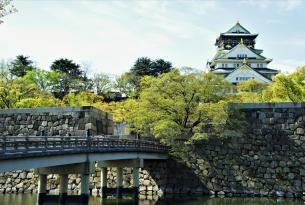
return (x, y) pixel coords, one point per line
(153, 181)
(73, 121)
(265, 158)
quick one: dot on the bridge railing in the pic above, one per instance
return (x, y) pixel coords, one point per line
(11, 146)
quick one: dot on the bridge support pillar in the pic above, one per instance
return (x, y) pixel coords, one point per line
(85, 192)
(42, 188)
(119, 182)
(63, 188)
(103, 182)
(136, 182)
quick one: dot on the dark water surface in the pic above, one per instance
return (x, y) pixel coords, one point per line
(30, 199)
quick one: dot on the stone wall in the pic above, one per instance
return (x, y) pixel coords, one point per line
(266, 159)
(157, 178)
(55, 121)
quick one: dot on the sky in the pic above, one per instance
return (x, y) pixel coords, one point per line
(107, 36)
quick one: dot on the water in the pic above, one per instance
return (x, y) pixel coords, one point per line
(30, 199)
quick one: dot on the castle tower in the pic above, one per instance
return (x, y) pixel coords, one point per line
(235, 47)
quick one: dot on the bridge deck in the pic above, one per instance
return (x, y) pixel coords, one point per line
(29, 146)
(25, 152)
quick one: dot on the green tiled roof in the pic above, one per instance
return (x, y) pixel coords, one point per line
(237, 28)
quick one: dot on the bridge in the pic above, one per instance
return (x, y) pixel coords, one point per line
(65, 155)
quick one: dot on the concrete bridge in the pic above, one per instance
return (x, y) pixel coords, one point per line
(65, 155)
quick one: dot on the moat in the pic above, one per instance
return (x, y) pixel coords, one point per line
(30, 199)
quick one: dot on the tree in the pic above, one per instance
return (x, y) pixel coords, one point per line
(82, 99)
(249, 91)
(102, 83)
(142, 67)
(39, 100)
(67, 66)
(12, 91)
(124, 84)
(72, 78)
(175, 106)
(251, 85)
(21, 65)
(45, 81)
(145, 66)
(286, 88)
(117, 109)
(6, 8)
(160, 66)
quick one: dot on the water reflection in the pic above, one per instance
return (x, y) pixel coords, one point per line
(30, 199)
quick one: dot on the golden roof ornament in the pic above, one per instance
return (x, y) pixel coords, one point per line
(245, 62)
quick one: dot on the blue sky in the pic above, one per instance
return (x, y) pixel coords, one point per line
(108, 36)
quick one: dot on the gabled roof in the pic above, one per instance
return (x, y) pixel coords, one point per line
(241, 45)
(237, 28)
(246, 70)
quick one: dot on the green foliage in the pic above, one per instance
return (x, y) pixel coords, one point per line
(82, 99)
(117, 109)
(21, 65)
(125, 85)
(72, 78)
(146, 67)
(251, 85)
(286, 88)
(41, 100)
(249, 91)
(44, 80)
(102, 83)
(175, 106)
(12, 91)
(23, 92)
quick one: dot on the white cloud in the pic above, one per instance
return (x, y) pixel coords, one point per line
(289, 5)
(111, 35)
(288, 65)
(280, 5)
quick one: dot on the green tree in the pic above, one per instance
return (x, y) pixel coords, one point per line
(160, 66)
(145, 66)
(39, 100)
(251, 85)
(21, 65)
(83, 98)
(23, 92)
(45, 81)
(175, 106)
(102, 83)
(286, 88)
(6, 8)
(13, 91)
(72, 78)
(125, 85)
(142, 67)
(249, 91)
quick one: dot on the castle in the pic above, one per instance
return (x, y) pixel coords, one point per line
(237, 59)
